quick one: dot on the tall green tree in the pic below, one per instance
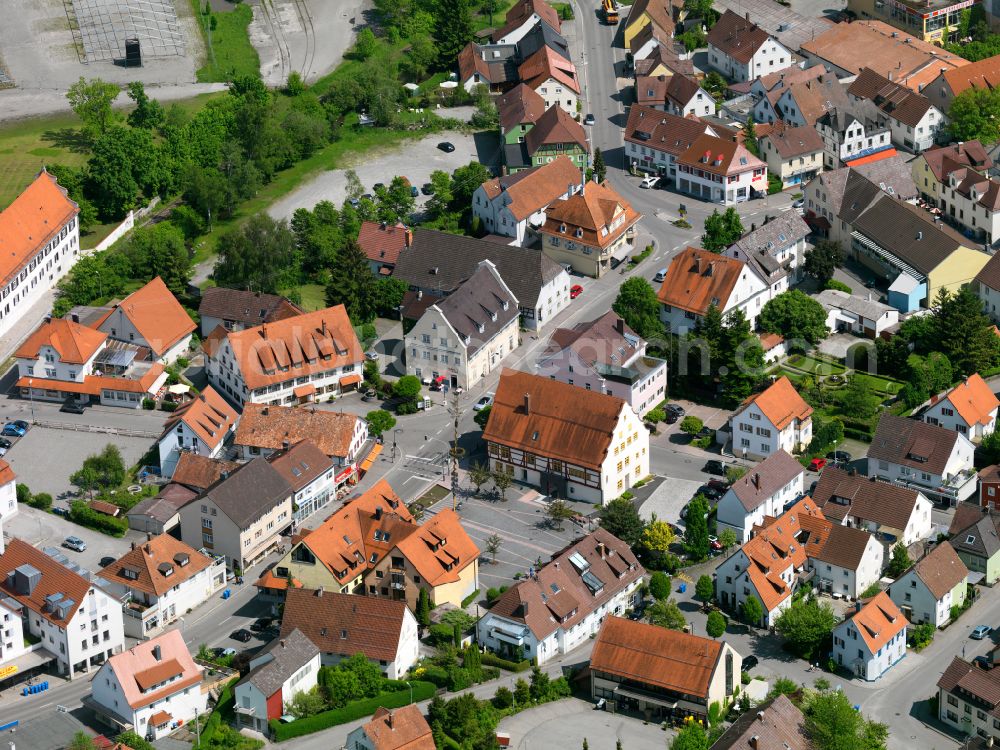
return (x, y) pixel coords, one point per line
(159, 250)
(91, 101)
(696, 531)
(744, 359)
(805, 624)
(691, 737)
(74, 181)
(975, 115)
(659, 585)
(963, 332)
(704, 588)
(752, 611)
(834, 724)
(796, 316)
(639, 308)
(822, 260)
(454, 29)
(260, 255)
(900, 561)
(666, 614)
(352, 284)
(858, 400)
(600, 169)
(716, 624)
(722, 230)
(148, 113)
(620, 517)
(750, 137)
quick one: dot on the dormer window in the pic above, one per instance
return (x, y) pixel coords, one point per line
(562, 229)
(480, 327)
(493, 316)
(578, 233)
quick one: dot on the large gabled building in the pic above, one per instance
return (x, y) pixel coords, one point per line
(654, 140)
(573, 443)
(152, 318)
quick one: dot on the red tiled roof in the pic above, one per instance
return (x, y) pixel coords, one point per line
(878, 622)
(780, 403)
(697, 278)
(383, 243)
(155, 313)
(74, 343)
(55, 579)
(150, 562)
(29, 223)
(208, 416)
(974, 400)
(546, 63)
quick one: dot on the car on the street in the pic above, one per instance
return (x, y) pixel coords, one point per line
(721, 485)
(589, 119)
(368, 197)
(649, 181)
(711, 493)
(714, 543)
(715, 466)
(980, 632)
(71, 407)
(261, 624)
(106, 561)
(5, 443)
(660, 276)
(242, 635)
(799, 203)
(378, 186)
(749, 662)
(414, 192)
(839, 457)
(427, 188)
(61, 511)
(446, 147)
(3, 452)
(12, 430)
(482, 403)
(817, 464)
(22, 424)
(354, 202)
(74, 543)
(575, 291)
(371, 356)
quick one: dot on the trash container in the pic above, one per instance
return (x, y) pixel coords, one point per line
(683, 588)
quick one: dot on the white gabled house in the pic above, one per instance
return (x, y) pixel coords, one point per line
(932, 586)
(763, 491)
(970, 408)
(872, 639)
(200, 426)
(563, 603)
(742, 51)
(776, 419)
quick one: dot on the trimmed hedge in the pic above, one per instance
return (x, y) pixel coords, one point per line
(493, 660)
(351, 712)
(221, 714)
(81, 513)
(470, 599)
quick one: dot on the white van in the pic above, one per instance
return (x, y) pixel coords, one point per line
(649, 181)
(660, 275)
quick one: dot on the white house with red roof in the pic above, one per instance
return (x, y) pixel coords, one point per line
(64, 360)
(970, 408)
(151, 317)
(721, 171)
(763, 491)
(522, 17)
(553, 77)
(199, 426)
(382, 243)
(775, 419)
(150, 689)
(872, 639)
(8, 493)
(39, 243)
(78, 623)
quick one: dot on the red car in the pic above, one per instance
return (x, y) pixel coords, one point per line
(575, 291)
(817, 464)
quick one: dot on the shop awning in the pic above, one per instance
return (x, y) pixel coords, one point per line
(352, 379)
(367, 463)
(440, 379)
(304, 390)
(344, 474)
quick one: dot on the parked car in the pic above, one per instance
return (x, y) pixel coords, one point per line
(106, 561)
(589, 119)
(749, 662)
(817, 464)
(711, 493)
(354, 202)
(378, 186)
(5, 443)
(446, 147)
(12, 430)
(575, 291)
(225, 651)
(413, 191)
(715, 466)
(482, 403)
(427, 189)
(839, 457)
(799, 203)
(980, 632)
(371, 356)
(74, 543)
(660, 276)
(261, 624)
(718, 484)
(71, 407)
(61, 511)
(675, 409)
(714, 543)
(22, 424)
(242, 635)
(649, 181)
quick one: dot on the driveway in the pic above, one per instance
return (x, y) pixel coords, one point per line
(567, 723)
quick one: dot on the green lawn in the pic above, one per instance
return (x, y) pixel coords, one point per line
(228, 50)
(879, 384)
(313, 297)
(817, 366)
(28, 145)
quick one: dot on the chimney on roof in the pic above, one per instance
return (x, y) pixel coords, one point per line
(282, 642)
(711, 269)
(920, 235)
(408, 237)
(527, 403)
(378, 513)
(697, 264)
(857, 606)
(74, 317)
(284, 444)
(755, 742)
(620, 326)
(319, 592)
(157, 654)
(760, 716)
(748, 16)
(323, 326)
(388, 720)
(756, 480)
(263, 330)
(264, 411)
(148, 549)
(602, 549)
(383, 225)
(133, 545)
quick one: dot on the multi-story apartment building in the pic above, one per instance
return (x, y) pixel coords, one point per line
(969, 699)
(721, 171)
(872, 639)
(654, 140)
(742, 51)
(776, 419)
(763, 491)
(200, 426)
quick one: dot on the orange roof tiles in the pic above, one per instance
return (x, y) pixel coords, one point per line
(600, 214)
(533, 189)
(878, 622)
(440, 549)
(652, 655)
(974, 400)
(382, 243)
(295, 347)
(30, 223)
(269, 427)
(780, 403)
(74, 343)
(150, 562)
(208, 416)
(155, 313)
(697, 278)
(7, 474)
(546, 63)
(877, 156)
(55, 579)
(94, 384)
(724, 157)
(400, 729)
(553, 419)
(982, 74)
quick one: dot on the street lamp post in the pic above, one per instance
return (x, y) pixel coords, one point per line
(394, 433)
(31, 398)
